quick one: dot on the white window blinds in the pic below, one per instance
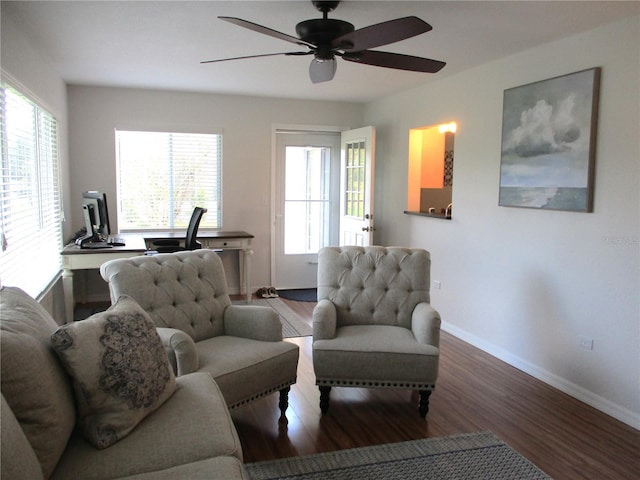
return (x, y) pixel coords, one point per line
(30, 203)
(162, 176)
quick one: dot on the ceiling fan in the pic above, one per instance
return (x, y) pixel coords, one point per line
(327, 38)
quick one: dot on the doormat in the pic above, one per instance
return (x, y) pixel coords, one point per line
(300, 294)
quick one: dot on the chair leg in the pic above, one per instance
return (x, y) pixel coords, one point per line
(424, 402)
(284, 401)
(324, 398)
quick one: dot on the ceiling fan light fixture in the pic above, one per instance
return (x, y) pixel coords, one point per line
(325, 38)
(322, 69)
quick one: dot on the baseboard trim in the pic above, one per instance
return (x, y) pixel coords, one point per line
(596, 401)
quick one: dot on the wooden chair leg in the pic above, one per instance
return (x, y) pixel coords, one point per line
(423, 408)
(284, 401)
(324, 398)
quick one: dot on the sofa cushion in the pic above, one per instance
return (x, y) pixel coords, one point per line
(376, 355)
(119, 367)
(17, 458)
(216, 468)
(246, 369)
(192, 426)
(33, 381)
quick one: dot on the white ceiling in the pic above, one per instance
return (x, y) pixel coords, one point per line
(159, 44)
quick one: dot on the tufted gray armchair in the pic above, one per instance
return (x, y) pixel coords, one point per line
(373, 325)
(185, 293)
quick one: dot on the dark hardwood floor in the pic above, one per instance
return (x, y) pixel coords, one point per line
(475, 391)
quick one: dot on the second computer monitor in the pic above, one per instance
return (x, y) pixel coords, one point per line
(97, 212)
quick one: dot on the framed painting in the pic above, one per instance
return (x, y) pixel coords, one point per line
(548, 143)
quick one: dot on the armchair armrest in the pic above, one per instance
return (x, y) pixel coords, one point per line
(253, 321)
(181, 350)
(324, 320)
(425, 324)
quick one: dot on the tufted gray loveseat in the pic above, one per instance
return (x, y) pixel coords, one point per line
(185, 294)
(373, 325)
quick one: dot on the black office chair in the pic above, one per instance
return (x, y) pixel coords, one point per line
(190, 241)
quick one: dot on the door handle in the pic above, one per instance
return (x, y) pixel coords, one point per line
(368, 229)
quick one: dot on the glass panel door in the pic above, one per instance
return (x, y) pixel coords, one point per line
(307, 205)
(356, 191)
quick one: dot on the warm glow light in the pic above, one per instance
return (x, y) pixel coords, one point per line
(447, 127)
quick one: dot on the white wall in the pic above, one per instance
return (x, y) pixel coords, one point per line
(247, 122)
(526, 284)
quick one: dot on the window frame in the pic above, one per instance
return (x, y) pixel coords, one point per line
(214, 206)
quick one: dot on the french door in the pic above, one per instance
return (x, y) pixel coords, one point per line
(323, 196)
(306, 207)
(356, 187)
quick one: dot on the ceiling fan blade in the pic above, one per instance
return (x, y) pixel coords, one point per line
(266, 31)
(257, 56)
(322, 70)
(395, 60)
(381, 34)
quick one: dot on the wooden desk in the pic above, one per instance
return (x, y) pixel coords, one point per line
(76, 258)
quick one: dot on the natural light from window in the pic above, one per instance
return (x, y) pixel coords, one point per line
(306, 206)
(30, 206)
(162, 176)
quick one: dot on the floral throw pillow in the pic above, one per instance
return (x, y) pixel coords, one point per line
(119, 367)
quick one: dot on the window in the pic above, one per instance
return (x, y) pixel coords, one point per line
(30, 201)
(306, 203)
(356, 154)
(162, 176)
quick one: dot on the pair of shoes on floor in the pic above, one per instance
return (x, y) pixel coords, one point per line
(267, 292)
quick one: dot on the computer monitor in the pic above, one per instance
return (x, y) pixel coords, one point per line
(89, 220)
(96, 213)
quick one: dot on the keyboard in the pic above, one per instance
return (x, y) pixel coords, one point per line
(116, 241)
(96, 245)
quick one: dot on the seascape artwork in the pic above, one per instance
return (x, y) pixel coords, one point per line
(548, 143)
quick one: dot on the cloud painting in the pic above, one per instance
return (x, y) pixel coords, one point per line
(547, 143)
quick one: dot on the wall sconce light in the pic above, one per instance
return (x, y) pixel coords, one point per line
(447, 127)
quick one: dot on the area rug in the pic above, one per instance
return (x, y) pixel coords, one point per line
(467, 456)
(292, 324)
(300, 294)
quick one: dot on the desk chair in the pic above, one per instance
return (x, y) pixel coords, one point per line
(190, 241)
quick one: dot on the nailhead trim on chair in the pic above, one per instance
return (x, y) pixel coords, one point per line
(377, 384)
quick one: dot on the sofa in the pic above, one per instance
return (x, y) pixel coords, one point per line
(46, 417)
